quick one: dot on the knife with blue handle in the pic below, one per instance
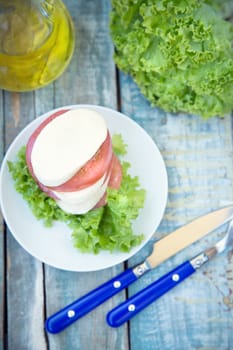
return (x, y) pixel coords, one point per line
(162, 250)
(132, 306)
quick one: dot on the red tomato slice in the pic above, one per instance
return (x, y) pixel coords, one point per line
(114, 181)
(92, 171)
(116, 173)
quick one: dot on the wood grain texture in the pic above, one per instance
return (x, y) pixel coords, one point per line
(2, 284)
(2, 239)
(198, 156)
(90, 77)
(24, 275)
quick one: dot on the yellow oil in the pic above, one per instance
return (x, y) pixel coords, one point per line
(36, 43)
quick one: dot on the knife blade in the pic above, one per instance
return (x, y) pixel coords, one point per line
(162, 250)
(146, 296)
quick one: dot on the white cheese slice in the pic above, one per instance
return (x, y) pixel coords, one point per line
(82, 195)
(65, 144)
(80, 202)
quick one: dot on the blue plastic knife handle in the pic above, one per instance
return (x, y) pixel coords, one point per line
(126, 310)
(65, 317)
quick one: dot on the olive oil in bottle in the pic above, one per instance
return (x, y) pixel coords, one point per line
(36, 43)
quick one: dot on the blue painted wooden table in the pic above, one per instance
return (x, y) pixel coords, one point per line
(198, 314)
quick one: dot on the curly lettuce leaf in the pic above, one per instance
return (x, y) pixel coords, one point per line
(120, 148)
(107, 228)
(179, 53)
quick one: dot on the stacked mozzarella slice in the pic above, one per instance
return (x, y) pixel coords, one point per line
(70, 157)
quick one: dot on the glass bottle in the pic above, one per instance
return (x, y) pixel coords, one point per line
(36, 43)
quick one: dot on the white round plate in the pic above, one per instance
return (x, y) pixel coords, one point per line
(53, 246)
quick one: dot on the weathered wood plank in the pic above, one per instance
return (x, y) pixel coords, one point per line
(2, 240)
(198, 155)
(24, 274)
(90, 78)
(91, 331)
(2, 284)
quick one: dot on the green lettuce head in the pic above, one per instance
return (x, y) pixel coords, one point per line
(179, 52)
